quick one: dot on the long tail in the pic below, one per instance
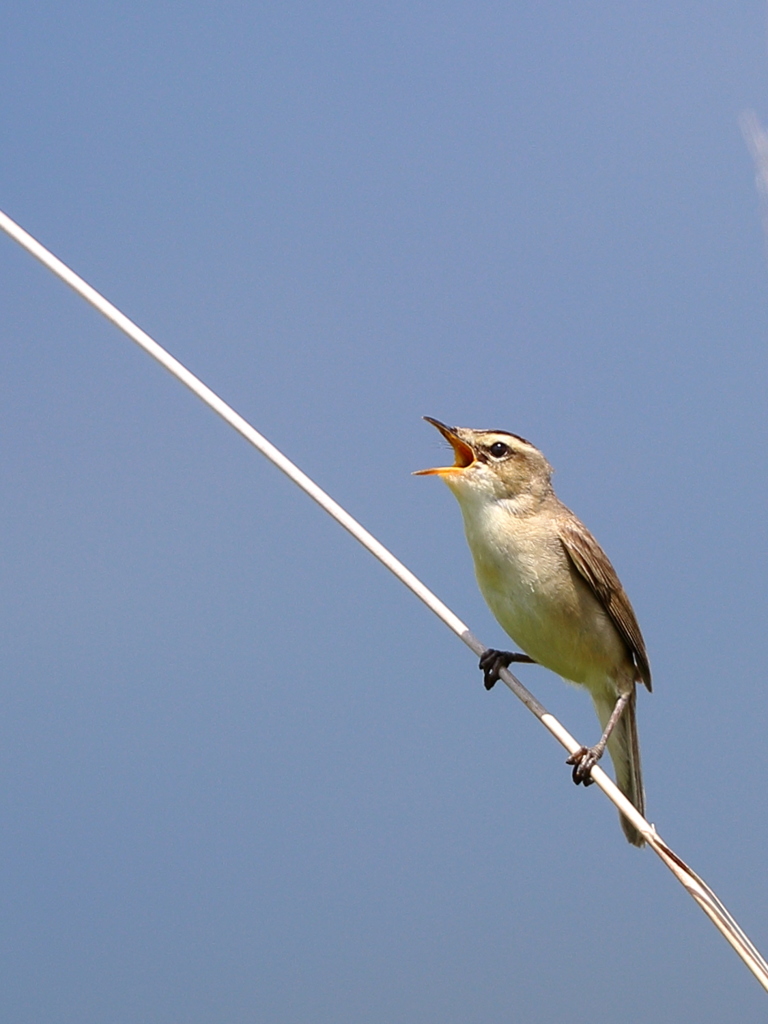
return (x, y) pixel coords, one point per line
(624, 748)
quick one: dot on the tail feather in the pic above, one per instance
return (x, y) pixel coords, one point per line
(624, 748)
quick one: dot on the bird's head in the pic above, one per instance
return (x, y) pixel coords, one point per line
(491, 465)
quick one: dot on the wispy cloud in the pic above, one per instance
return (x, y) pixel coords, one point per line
(756, 138)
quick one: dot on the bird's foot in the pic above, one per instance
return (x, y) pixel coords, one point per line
(492, 662)
(583, 761)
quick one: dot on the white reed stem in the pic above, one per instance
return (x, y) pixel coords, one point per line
(697, 888)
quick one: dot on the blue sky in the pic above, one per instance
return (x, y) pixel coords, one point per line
(244, 775)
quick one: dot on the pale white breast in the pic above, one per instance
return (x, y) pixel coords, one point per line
(538, 597)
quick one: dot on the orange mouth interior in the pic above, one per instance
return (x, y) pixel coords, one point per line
(463, 454)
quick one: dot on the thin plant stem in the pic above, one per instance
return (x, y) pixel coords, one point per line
(695, 886)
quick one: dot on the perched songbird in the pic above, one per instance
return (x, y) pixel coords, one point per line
(552, 589)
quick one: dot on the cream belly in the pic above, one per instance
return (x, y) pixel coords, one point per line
(539, 599)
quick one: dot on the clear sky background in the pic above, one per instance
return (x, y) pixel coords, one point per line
(244, 775)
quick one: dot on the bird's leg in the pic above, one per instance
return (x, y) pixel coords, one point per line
(586, 758)
(493, 661)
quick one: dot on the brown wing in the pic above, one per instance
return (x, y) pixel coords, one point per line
(593, 565)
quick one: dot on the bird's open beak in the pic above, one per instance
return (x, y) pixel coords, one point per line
(461, 450)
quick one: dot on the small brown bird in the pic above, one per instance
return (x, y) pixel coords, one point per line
(552, 589)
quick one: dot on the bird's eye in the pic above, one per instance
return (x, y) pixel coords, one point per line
(498, 449)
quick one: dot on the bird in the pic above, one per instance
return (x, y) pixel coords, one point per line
(553, 590)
